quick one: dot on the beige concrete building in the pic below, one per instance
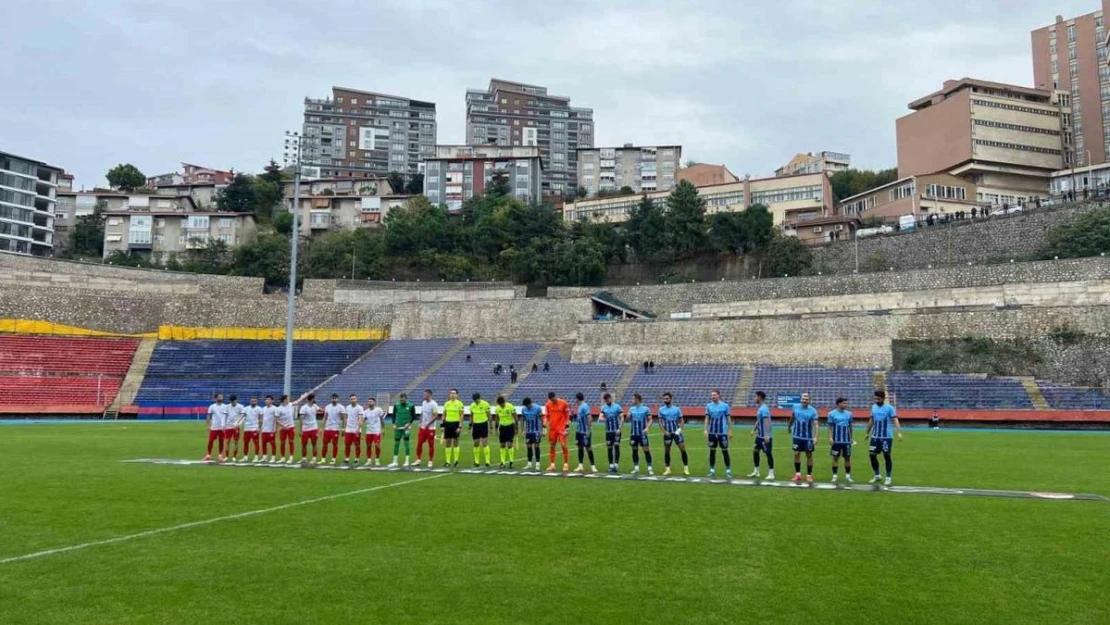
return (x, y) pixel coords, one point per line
(1005, 139)
(788, 198)
(28, 196)
(704, 174)
(920, 196)
(822, 230)
(644, 168)
(328, 213)
(341, 186)
(158, 233)
(812, 163)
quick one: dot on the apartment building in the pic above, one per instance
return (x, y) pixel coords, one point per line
(362, 134)
(460, 172)
(931, 194)
(191, 175)
(822, 230)
(704, 174)
(1070, 55)
(813, 163)
(644, 169)
(1005, 139)
(788, 198)
(342, 186)
(520, 115)
(158, 233)
(28, 197)
(329, 213)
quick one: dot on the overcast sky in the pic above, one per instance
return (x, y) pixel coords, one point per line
(88, 84)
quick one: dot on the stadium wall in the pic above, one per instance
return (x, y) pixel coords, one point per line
(381, 293)
(525, 319)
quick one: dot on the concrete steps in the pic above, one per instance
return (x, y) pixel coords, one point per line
(525, 371)
(1034, 391)
(133, 381)
(427, 373)
(335, 375)
(744, 388)
(878, 383)
(624, 382)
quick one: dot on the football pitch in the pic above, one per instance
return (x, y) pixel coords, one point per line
(88, 538)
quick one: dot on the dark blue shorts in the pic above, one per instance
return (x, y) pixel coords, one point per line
(802, 444)
(639, 440)
(583, 439)
(763, 444)
(880, 445)
(612, 438)
(718, 440)
(841, 450)
(532, 438)
(678, 439)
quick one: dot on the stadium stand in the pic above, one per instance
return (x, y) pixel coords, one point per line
(477, 375)
(690, 384)
(1065, 397)
(954, 391)
(187, 371)
(824, 384)
(567, 378)
(38, 370)
(390, 368)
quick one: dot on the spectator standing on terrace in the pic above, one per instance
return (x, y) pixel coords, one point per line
(546, 367)
(468, 357)
(974, 212)
(763, 432)
(535, 367)
(512, 375)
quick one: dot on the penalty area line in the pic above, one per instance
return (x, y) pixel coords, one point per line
(229, 517)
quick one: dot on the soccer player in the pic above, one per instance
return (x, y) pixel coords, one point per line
(310, 429)
(614, 420)
(479, 428)
(883, 423)
(764, 437)
(532, 415)
(803, 429)
(217, 414)
(429, 423)
(231, 428)
(288, 429)
(840, 439)
(506, 431)
(640, 420)
(374, 418)
(269, 427)
(251, 418)
(452, 421)
(404, 413)
(333, 421)
(352, 432)
(584, 432)
(671, 421)
(718, 432)
(558, 419)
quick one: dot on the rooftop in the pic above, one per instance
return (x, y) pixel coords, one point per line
(952, 86)
(34, 161)
(384, 95)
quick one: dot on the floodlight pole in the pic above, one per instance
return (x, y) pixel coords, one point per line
(293, 142)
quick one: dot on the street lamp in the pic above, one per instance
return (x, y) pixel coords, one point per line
(292, 157)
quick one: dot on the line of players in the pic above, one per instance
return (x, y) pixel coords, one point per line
(261, 425)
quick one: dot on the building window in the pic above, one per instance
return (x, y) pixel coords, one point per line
(225, 222)
(903, 191)
(1071, 33)
(945, 192)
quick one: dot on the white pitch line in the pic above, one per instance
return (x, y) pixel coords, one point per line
(230, 517)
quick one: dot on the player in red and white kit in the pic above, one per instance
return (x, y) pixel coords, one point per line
(287, 429)
(231, 428)
(269, 426)
(374, 417)
(252, 419)
(333, 422)
(352, 431)
(310, 429)
(217, 415)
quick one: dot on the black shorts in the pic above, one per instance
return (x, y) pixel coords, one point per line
(584, 439)
(612, 438)
(479, 430)
(764, 444)
(639, 440)
(451, 430)
(803, 444)
(718, 440)
(506, 433)
(677, 439)
(880, 445)
(841, 450)
(532, 438)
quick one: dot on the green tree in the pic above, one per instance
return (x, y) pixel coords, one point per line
(646, 228)
(415, 185)
(758, 226)
(397, 181)
(87, 237)
(612, 238)
(283, 223)
(268, 191)
(727, 232)
(239, 196)
(786, 256)
(368, 189)
(873, 222)
(211, 258)
(123, 259)
(1085, 235)
(354, 254)
(172, 264)
(417, 225)
(851, 182)
(577, 262)
(267, 257)
(125, 177)
(684, 222)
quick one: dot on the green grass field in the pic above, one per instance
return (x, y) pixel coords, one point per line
(492, 549)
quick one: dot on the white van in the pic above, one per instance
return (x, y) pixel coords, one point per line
(907, 223)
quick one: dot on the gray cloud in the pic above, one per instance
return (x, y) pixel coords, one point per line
(90, 84)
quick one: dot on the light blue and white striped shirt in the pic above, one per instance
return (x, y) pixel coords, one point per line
(717, 417)
(669, 417)
(804, 418)
(841, 423)
(763, 427)
(639, 416)
(882, 420)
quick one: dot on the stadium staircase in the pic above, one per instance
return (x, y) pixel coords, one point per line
(624, 382)
(133, 381)
(431, 369)
(525, 371)
(1035, 394)
(345, 370)
(744, 388)
(878, 380)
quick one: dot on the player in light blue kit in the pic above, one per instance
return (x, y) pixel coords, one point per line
(583, 432)
(803, 431)
(533, 431)
(762, 431)
(639, 418)
(671, 421)
(881, 427)
(841, 439)
(614, 419)
(718, 432)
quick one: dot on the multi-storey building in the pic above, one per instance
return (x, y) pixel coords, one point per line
(919, 195)
(1071, 56)
(788, 198)
(28, 194)
(361, 134)
(329, 213)
(158, 233)
(516, 114)
(640, 168)
(811, 163)
(704, 174)
(1005, 139)
(460, 172)
(191, 175)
